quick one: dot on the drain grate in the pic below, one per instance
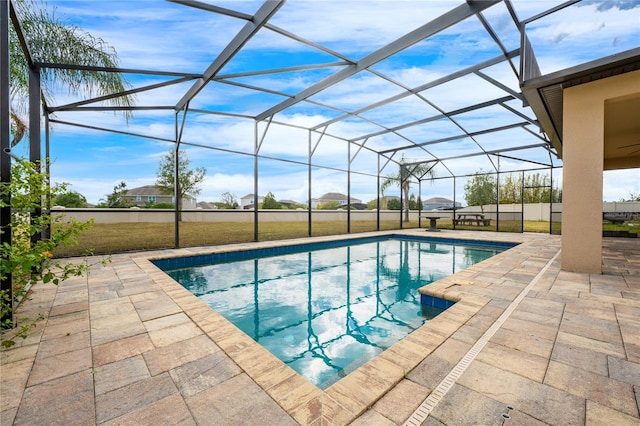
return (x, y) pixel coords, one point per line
(423, 411)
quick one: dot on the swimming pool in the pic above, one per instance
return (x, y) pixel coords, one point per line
(327, 308)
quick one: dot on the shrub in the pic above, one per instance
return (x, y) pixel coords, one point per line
(29, 260)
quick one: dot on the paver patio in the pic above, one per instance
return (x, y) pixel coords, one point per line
(128, 345)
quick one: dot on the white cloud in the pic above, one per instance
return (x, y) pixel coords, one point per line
(581, 33)
(620, 184)
(366, 25)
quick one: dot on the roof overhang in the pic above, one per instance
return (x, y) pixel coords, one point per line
(544, 94)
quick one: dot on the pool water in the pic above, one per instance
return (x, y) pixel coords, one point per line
(325, 312)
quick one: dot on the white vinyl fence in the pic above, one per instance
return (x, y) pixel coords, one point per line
(533, 212)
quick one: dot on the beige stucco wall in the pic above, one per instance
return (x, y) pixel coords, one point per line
(583, 164)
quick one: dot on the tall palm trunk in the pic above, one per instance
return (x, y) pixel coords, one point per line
(405, 190)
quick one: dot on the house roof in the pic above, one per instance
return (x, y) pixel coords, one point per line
(147, 190)
(435, 200)
(206, 206)
(333, 196)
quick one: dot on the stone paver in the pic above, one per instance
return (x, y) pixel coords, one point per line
(399, 403)
(598, 415)
(171, 410)
(66, 400)
(133, 397)
(128, 345)
(204, 373)
(227, 404)
(169, 357)
(594, 387)
(121, 349)
(64, 364)
(464, 406)
(544, 403)
(525, 364)
(14, 381)
(587, 359)
(66, 343)
(121, 373)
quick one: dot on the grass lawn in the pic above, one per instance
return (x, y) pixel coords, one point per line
(504, 226)
(106, 238)
(632, 227)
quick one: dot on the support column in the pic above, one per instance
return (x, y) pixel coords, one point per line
(5, 143)
(583, 164)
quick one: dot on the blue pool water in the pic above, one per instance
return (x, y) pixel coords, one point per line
(327, 308)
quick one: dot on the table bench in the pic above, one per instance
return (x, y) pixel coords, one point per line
(432, 222)
(472, 219)
(613, 218)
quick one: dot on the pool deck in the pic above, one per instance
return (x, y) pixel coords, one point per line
(525, 343)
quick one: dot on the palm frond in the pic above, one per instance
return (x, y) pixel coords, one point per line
(51, 40)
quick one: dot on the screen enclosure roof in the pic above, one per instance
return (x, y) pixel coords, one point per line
(434, 82)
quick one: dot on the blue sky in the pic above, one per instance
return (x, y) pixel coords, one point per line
(156, 35)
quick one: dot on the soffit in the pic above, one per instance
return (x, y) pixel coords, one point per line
(545, 96)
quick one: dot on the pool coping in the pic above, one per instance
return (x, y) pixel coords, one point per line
(351, 396)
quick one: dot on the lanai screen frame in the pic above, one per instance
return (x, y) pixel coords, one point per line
(260, 21)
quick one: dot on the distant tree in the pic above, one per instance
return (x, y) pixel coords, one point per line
(189, 180)
(296, 206)
(403, 180)
(536, 188)
(373, 204)
(270, 202)
(228, 201)
(70, 199)
(415, 203)
(511, 189)
(117, 199)
(632, 197)
(480, 190)
(330, 205)
(394, 204)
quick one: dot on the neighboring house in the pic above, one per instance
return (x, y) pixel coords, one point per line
(439, 203)
(287, 203)
(206, 206)
(246, 202)
(330, 197)
(144, 195)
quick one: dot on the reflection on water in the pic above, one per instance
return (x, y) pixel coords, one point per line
(326, 312)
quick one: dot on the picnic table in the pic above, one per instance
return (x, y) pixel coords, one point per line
(471, 219)
(432, 222)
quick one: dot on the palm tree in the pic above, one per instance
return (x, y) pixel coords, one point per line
(403, 179)
(50, 40)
